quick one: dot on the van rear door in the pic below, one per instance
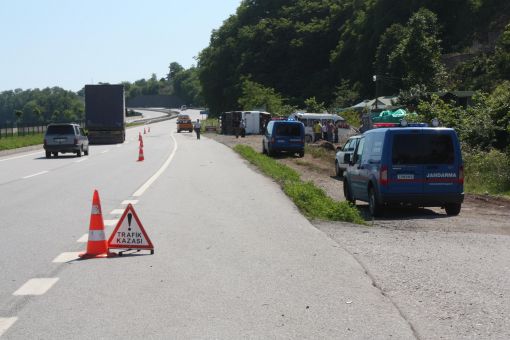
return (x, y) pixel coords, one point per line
(441, 162)
(406, 173)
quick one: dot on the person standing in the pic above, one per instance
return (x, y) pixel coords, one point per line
(197, 128)
(325, 131)
(242, 127)
(317, 130)
(331, 127)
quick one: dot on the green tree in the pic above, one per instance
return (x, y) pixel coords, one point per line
(256, 96)
(312, 105)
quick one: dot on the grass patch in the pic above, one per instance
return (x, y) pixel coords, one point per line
(487, 172)
(320, 152)
(311, 200)
(8, 143)
(309, 165)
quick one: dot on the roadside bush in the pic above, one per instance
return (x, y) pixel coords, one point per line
(487, 172)
(314, 203)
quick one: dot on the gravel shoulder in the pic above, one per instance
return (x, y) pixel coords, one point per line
(449, 276)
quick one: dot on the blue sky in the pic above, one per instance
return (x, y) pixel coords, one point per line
(70, 43)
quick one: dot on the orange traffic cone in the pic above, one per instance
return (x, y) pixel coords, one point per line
(96, 244)
(139, 136)
(140, 154)
(141, 142)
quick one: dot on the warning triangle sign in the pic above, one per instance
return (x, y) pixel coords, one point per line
(129, 232)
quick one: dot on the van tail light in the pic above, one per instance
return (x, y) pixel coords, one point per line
(383, 175)
(461, 174)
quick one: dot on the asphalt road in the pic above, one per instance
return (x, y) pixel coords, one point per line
(233, 256)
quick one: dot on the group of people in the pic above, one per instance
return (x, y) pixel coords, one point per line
(327, 131)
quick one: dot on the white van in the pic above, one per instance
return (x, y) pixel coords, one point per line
(309, 119)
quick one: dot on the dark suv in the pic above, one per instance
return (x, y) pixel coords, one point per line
(65, 138)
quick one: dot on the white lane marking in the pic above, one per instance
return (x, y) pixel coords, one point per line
(126, 202)
(81, 160)
(36, 286)
(117, 212)
(110, 223)
(154, 177)
(66, 257)
(11, 158)
(5, 323)
(105, 151)
(84, 238)
(37, 174)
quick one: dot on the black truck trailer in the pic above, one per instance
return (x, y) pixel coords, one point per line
(105, 114)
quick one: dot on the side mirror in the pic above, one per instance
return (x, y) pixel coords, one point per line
(347, 158)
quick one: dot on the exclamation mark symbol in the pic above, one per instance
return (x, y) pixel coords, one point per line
(130, 216)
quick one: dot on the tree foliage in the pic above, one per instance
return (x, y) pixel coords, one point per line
(36, 106)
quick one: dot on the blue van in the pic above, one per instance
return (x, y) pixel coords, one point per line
(420, 166)
(284, 136)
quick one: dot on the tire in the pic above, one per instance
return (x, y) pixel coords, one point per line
(190, 131)
(452, 209)
(178, 131)
(270, 152)
(373, 206)
(302, 153)
(348, 194)
(338, 172)
(55, 154)
(78, 153)
(264, 151)
(86, 152)
(48, 154)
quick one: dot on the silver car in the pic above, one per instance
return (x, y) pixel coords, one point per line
(348, 148)
(65, 138)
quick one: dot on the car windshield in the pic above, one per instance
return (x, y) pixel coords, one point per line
(423, 149)
(60, 130)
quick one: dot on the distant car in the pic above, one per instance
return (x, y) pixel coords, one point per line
(184, 123)
(348, 148)
(184, 108)
(284, 136)
(65, 138)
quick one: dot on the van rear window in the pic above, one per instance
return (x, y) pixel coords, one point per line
(60, 130)
(291, 130)
(422, 149)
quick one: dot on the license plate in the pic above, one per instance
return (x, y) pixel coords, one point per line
(295, 140)
(59, 140)
(405, 176)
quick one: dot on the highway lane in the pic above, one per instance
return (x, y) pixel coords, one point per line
(233, 257)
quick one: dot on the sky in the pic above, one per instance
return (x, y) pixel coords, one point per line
(69, 43)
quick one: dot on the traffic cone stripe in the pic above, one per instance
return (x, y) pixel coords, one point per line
(96, 235)
(95, 210)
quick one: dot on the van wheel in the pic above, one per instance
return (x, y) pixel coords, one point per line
(264, 151)
(347, 193)
(78, 153)
(48, 154)
(374, 207)
(452, 209)
(270, 152)
(338, 172)
(86, 152)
